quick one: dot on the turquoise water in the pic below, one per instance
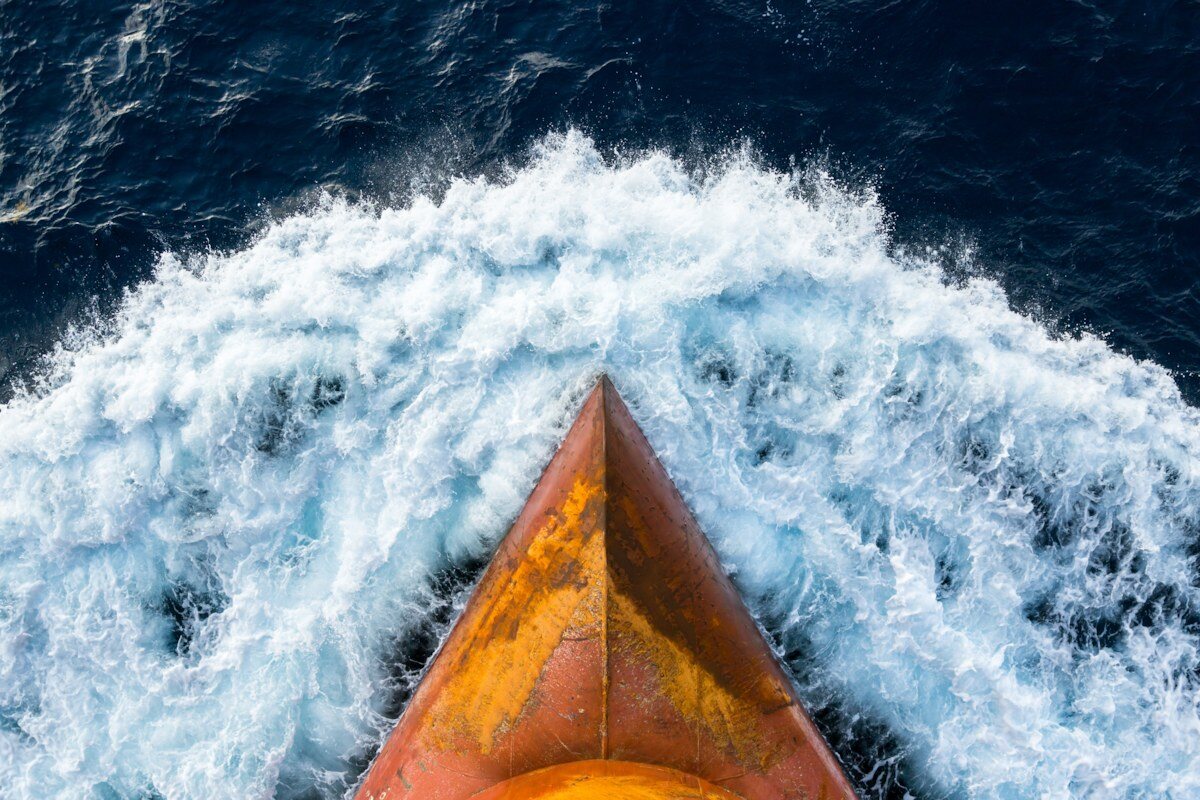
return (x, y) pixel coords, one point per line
(229, 512)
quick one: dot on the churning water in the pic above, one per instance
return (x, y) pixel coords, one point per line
(228, 514)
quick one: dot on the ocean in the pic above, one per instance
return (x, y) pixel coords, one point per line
(297, 302)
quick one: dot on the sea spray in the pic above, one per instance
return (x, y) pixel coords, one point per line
(223, 515)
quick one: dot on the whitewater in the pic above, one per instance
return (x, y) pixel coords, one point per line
(229, 509)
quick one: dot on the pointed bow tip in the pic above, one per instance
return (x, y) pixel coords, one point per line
(605, 388)
(605, 629)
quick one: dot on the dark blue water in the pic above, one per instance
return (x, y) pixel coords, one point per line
(1057, 140)
(1056, 143)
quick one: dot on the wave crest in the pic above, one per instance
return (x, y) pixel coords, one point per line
(229, 520)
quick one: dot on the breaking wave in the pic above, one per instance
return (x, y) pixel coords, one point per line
(235, 519)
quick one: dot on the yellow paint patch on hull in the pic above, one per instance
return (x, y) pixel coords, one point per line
(498, 665)
(605, 633)
(607, 780)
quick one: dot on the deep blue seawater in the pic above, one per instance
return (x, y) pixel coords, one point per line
(297, 298)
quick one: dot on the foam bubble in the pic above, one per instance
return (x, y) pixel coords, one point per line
(223, 521)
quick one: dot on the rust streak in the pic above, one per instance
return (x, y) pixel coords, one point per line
(605, 653)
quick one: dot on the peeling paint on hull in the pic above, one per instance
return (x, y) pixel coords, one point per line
(605, 631)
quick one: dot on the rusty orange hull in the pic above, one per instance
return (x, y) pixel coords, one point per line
(604, 780)
(605, 651)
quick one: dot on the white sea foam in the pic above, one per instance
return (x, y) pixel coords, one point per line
(217, 517)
